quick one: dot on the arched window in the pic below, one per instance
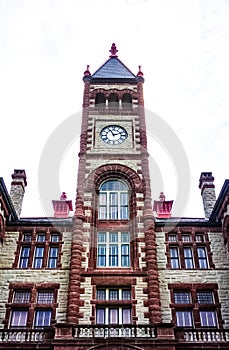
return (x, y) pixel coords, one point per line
(127, 101)
(100, 100)
(113, 200)
(113, 101)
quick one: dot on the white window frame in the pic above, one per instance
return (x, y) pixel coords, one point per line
(111, 247)
(111, 206)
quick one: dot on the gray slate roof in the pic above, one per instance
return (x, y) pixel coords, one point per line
(113, 68)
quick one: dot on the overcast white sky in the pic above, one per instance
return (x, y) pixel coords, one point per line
(182, 45)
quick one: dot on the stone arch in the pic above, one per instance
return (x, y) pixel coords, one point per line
(118, 171)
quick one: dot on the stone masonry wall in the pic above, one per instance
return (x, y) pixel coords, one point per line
(219, 275)
(9, 275)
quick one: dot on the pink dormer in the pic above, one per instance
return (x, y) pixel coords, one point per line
(62, 206)
(162, 207)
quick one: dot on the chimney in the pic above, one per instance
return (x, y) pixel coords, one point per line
(206, 184)
(18, 189)
(62, 206)
(162, 207)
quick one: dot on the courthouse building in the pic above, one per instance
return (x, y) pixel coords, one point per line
(120, 272)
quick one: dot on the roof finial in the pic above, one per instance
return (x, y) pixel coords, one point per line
(113, 51)
(140, 74)
(87, 72)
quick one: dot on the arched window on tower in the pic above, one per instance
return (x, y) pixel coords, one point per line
(113, 101)
(127, 101)
(114, 200)
(100, 100)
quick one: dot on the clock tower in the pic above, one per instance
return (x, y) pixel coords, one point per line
(113, 266)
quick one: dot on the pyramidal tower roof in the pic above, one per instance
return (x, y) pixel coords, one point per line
(113, 70)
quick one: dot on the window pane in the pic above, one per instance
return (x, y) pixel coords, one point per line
(101, 255)
(184, 318)
(125, 237)
(182, 297)
(40, 237)
(186, 238)
(125, 255)
(199, 238)
(100, 316)
(102, 237)
(172, 238)
(27, 237)
(208, 319)
(22, 297)
(43, 318)
(113, 316)
(126, 295)
(45, 297)
(24, 257)
(38, 259)
(126, 316)
(101, 294)
(53, 256)
(205, 297)
(113, 294)
(188, 258)
(174, 258)
(113, 255)
(55, 238)
(113, 237)
(19, 318)
(201, 252)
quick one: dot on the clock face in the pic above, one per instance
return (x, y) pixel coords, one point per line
(113, 134)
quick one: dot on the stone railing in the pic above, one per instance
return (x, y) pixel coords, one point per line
(203, 335)
(107, 331)
(113, 110)
(26, 335)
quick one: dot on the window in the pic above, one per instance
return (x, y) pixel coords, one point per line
(24, 259)
(38, 250)
(113, 314)
(19, 318)
(38, 257)
(30, 305)
(113, 249)
(21, 297)
(184, 318)
(202, 258)
(199, 238)
(53, 257)
(188, 250)
(43, 318)
(172, 238)
(182, 297)
(186, 238)
(188, 259)
(174, 258)
(205, 297)
(195, 305)
(113, 201)
(208, 319)
(45, 297)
